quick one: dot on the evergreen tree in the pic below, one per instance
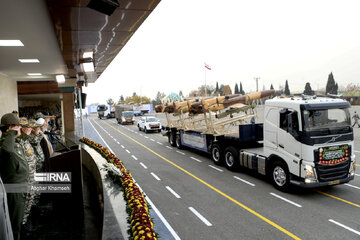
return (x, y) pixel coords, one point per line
(217, 87)
(110, 101)
(241, 89)
(331, 86)
(221, 89)
(308, 90)
(121, 99)
(236, 91)
(287, 90)
(181, 94)
(271, 87)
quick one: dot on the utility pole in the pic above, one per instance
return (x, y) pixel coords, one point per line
(257, 87)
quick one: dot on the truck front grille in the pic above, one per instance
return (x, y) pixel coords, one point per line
(327, 173)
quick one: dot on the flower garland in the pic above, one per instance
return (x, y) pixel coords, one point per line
(142, 227)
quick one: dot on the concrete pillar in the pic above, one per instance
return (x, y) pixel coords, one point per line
(8, 95)
(67, 108)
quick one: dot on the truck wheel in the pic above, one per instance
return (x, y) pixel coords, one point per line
(139, 128)
(231, 158)
(217, 154)
(145, 130)
(280, 176)
(178, 141)
(172, 139)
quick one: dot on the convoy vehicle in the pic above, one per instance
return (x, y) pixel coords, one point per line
(303, 141)
(148, 124)
(105, 111)
(124, 114)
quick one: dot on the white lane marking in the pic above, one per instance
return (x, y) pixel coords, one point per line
(152, 139)
(173, 192)
(357, 175)
(169, 147)
(134, 157)
(146, 137)
(180, 152)
(244, 181)
(162, 218)
(159, 143)
(196, 159)
(204, 220)
(156, 177)
(286, 200)
(166, 223)
(122, 146)
(117, 142)
(100, 135)
(220, 170)
(135, 132)
(111, 136)
(346, 227)
(127, 151)
(144, 166)
(140, 134)
(351, 186)
(357, 151)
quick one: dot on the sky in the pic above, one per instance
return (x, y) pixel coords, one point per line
(277, 40)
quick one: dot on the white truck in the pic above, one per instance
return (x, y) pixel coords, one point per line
(105, 111)
(304, 141)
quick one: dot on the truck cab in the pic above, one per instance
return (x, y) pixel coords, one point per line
(102, 110)
(308, 142)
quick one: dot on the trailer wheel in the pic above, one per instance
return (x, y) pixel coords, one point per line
(231, 158)
(217, 154)
(172, 139)
(280, 176)
(178, 141)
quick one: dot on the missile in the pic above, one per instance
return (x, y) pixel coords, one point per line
(220, 103)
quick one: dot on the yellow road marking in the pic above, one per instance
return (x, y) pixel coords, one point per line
(213, 188)
(357, 165)
(337, 198)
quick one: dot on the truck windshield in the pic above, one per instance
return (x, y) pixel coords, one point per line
(328, 121)
(128, 114)
(102, 108)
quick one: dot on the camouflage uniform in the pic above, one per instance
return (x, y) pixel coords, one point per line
(24, 141)
(13, 170)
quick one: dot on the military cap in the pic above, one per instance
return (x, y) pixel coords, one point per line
(9, 119)
(24, 122)
(33, 123)
(39, 115)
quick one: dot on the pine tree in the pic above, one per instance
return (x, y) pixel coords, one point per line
(217, 87)
(236, 91)
(271, 87)
(241, 89)
(331, 86)
(308, 90)
(287, 90)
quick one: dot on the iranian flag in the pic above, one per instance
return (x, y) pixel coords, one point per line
(207, 66)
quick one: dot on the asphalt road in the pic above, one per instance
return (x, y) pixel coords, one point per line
(203, 201)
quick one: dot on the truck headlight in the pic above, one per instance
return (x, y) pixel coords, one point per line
(352, 168)
(310, 175)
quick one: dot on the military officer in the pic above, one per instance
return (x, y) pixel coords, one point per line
(14, 169)
(30, 157)
(35, 140)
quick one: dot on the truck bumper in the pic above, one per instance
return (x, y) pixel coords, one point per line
(321, 184)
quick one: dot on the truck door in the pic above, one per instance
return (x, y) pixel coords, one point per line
(288, 132)
(271, 125)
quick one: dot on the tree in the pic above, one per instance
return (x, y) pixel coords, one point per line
(287, 90)
(209, 90)
(226, 90)
(110, 101)
(331, 86)
(271, 87)
(181, 94)
(241, 89)
(158, 97)
(121, 99)
(134, 94)
(236, 91)
(308, 90)
(221, 89)
(217, 87)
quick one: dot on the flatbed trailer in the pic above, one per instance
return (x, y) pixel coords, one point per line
(286, 147)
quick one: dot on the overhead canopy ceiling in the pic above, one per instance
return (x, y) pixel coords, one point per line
(57, 32)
